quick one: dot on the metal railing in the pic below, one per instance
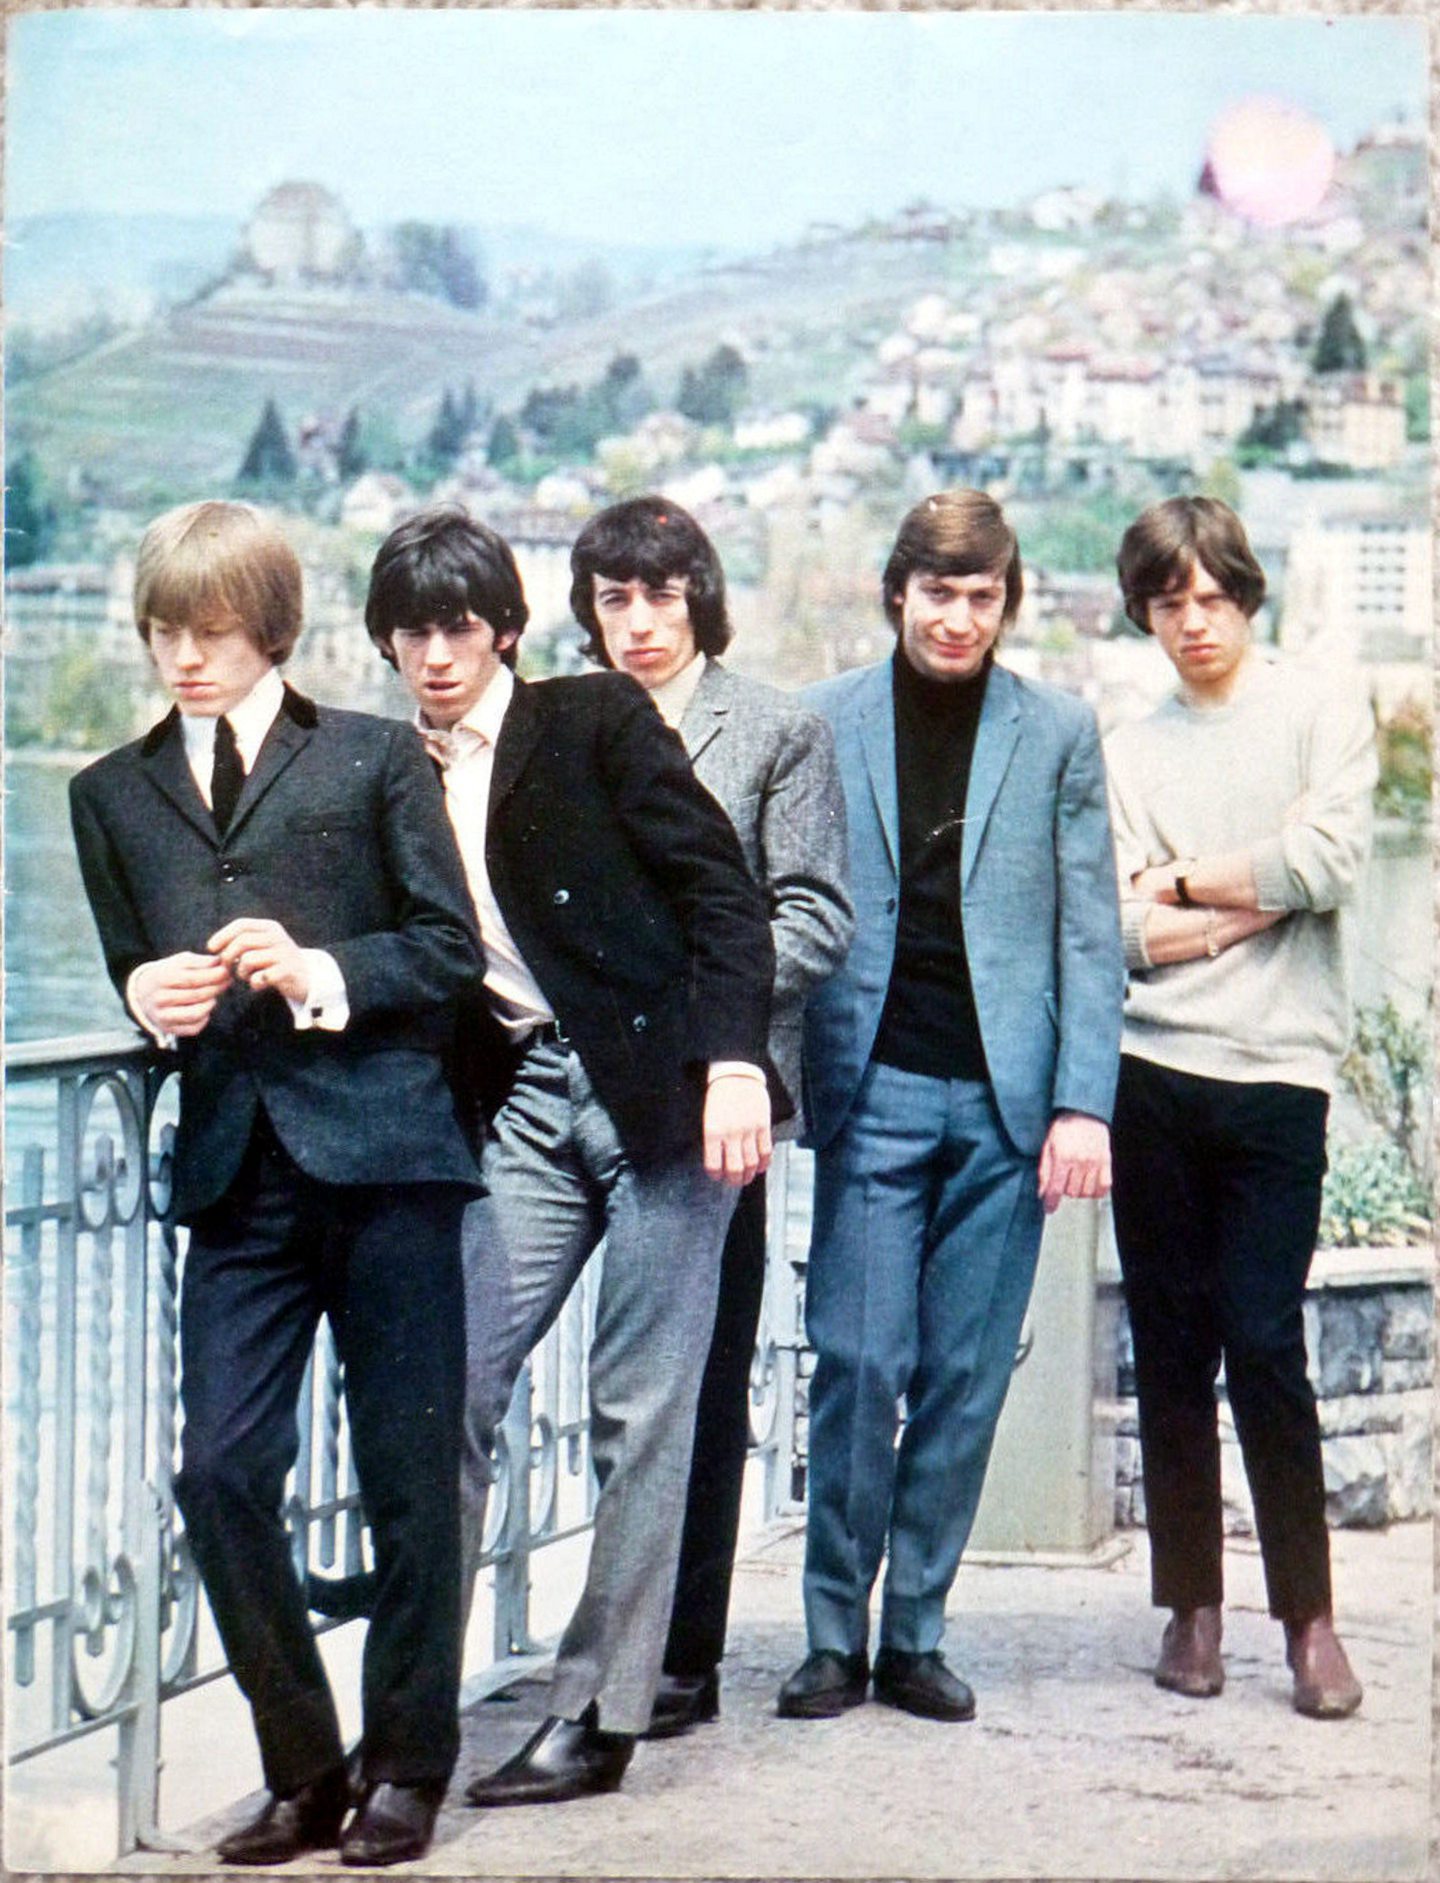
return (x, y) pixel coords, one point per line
(103, 1601)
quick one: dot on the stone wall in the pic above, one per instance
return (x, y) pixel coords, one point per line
(1369, 1317)
(1369, 1333)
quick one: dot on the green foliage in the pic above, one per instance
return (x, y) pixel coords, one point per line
(1372, 1195)
(713, 392)
(447, 433)
(1387, 1068)
(350, 454)
(914, 434)
(31, 518)
(84, 709)
(1222, 481)
(29, 353)
(569, 421)
(1339, 349)
(1406, 746)
(268, 458)
(1274, 427)
(438, 261)
(1079, 536)
(504, 446)
(1417, 407)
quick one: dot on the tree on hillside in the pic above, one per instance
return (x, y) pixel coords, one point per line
(504, 446)
(1340, 348)
(712, 393)
(448, 432)
(439, 261)
(30, 516)
(623, 395)
(351, 457)
(268, 458)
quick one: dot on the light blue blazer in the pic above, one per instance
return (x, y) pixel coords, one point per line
(1038, 896)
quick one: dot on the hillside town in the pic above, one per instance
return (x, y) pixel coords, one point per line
(1077, 358)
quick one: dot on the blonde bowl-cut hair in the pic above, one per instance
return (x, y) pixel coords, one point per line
(215, 559)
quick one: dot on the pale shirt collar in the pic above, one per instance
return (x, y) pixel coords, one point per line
(252, 719)
(483, 720)
(674, 695)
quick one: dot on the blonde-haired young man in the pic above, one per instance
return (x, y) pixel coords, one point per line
(281, 902)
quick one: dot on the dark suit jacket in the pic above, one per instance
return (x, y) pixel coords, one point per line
(340, 834)
(624, 887)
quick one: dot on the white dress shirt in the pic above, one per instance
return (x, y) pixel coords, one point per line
(466, 752)
(673, 696)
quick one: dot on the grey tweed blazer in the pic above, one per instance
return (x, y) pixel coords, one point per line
(770, 762)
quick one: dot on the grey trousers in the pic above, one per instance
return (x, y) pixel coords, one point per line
(559, 1184)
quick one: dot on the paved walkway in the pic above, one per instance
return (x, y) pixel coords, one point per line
(1077, 1766)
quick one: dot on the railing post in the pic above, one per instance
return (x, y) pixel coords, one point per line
(512, 1555)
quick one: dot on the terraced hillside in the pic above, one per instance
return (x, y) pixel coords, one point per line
(168, 409)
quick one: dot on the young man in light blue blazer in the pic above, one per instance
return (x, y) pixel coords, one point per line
(959, 1075)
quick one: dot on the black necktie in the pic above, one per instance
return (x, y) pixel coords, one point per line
(228, 775)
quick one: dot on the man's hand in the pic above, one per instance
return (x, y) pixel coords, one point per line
(1157, 883)
(1074, 1159)
(260, 953)
(736, 1128)
(177, 994)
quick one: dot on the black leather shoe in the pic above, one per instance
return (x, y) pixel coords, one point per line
(923, 1684)
(393, 1824)
(565, 1759)
(824, 1684)
(683, 1701)
(287, 1827)
(341, 1598)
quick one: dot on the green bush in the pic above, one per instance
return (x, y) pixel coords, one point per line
(1372, 1196)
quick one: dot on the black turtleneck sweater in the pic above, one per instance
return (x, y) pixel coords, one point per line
(929, 1024)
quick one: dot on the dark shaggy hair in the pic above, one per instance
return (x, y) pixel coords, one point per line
(438, 566)
(1162, 546)
(651, 540)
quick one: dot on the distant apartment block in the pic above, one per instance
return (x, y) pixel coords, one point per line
(1360, 585)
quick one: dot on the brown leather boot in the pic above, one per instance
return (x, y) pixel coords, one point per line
(1325, 1683)
(1190, 1653)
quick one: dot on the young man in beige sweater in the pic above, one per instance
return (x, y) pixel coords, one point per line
(1241, 810)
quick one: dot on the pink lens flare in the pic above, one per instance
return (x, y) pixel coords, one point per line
(1271, 161)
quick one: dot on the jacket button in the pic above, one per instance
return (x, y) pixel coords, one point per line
(639, 1023)
(228, 871)
(560, 898)
(890, 905)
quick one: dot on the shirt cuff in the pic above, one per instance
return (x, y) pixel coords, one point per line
(734, 1069)
(1271, 869)
(1133, 916)
(135, 1001)
(327, 1005)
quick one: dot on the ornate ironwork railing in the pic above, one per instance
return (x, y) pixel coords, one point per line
(103, 1603)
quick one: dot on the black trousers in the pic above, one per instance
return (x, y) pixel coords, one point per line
(383, 1262)
(722, 1437)
(1217, 1201)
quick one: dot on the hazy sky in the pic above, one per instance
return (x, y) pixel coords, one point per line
(657, 126)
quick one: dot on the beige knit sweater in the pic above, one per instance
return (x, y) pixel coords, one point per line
(1285, 769)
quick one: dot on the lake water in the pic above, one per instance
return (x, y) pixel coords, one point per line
(56, 984)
